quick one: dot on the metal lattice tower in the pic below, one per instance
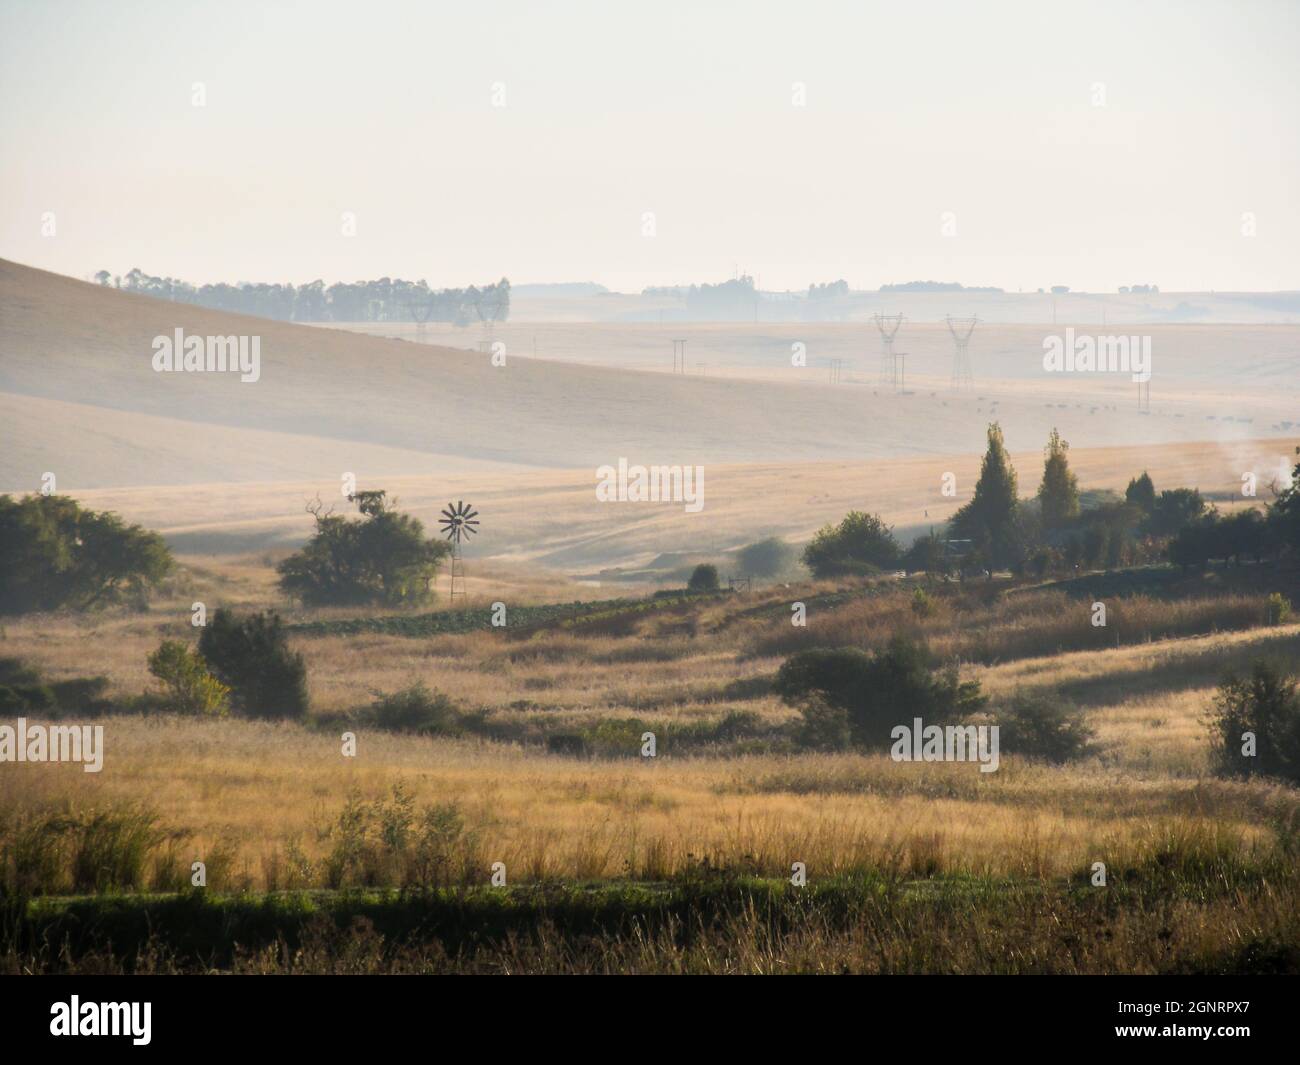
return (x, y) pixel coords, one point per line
(458, 522)
(961, 329)
(888, 324)
(679, 356)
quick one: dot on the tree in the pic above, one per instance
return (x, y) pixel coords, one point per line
(1175, 508)
(252, 658)
(877, 691)
(704, 578)
(926, 555)
(54, 554)
(1284, 513)
(1141, 493)
(766, 558)
(1058, 495)
(382, 558)
(989, 519)
(860, 543)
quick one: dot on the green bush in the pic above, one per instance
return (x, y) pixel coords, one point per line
(1278, 609)
(188, 687)
(252, 658)
(1043, 726)
(1259, 713)
(704, 578)
(824, 726)
(923, 604)
(416, 709)
(769, 558)
(877, 691)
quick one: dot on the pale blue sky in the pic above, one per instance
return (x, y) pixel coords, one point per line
(682, 109)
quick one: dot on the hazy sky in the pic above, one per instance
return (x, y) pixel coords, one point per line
(687, 110)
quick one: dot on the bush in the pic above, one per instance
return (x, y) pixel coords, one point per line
(860, 544)
(1043, 726)
(416, 709)
(382, 558)
(1266, 705)
(825, 726)
(252, 658)
(923, 604)
(54, 554)
(704, 578)
(188, 686)
(772, 557)
(22, 691)
(876, 692)
(1278, 609)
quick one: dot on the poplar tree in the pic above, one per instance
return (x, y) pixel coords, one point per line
(1058, 495)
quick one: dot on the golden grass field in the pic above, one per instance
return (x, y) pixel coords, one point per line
(268, 794)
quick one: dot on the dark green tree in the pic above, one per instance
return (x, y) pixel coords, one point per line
(1141, 493)
(382, 558)
(989, 520)
(54, 554)
(1058, 495)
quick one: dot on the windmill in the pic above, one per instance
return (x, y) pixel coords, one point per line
(458, 523)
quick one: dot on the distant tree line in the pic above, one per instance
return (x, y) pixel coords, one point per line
(385, 300)
(936, 286)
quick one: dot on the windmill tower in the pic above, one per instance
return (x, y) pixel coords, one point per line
(458, 523)
(888, 325)
(961, 329)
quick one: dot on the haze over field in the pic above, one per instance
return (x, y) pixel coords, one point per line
(784, 451)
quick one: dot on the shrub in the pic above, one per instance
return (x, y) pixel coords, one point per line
(416, 709)
(22, 691)
(1278, 609)
(252, 658)
(188, 686)
(923, 604)
(1043, 726)
(570, 744)
(704, 578)
(825, 726)
(861, 543)
(1255, 724)
(878, 691)
(772, 557)
(54, 554)
(388, 842)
